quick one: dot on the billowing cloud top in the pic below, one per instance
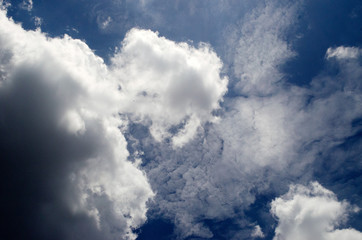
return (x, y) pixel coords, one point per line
(65, 157)
(170, 85)
(56, 90)
(312, 212)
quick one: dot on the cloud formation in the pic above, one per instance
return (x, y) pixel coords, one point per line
(261, 49)
(343, 52)
(312, 212)
(266, 138)
(65, 159)
(172, 86)
(85, 141)
(56, 94)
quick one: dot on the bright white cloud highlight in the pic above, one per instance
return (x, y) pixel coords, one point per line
(311, 212)
(59, 86)
(173, 86)
(271, 132)
(343, 52)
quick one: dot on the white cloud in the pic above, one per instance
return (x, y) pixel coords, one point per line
(311, 212)
(274, 122)
(260, 129)
(172, 88)
(283, 133)
(257, 232)
(262, 49)
(343, 52)
(170, 85)
(261, 132)
(263, 140)
(57, 89)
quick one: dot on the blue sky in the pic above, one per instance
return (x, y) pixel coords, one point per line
(155, 119)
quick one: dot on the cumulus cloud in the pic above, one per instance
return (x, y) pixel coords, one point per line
(172, 86)
(66, 173)
(65, 111)
(312, 212)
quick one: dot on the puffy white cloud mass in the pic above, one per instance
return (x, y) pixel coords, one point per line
(64, 155)
(173, 86)
(62, 115)
(312, 212)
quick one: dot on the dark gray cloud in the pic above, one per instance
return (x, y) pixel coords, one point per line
(37, 159)
(66, 174)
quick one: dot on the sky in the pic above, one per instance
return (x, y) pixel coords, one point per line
(158, 119)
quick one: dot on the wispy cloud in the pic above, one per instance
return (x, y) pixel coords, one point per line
(27, 5)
